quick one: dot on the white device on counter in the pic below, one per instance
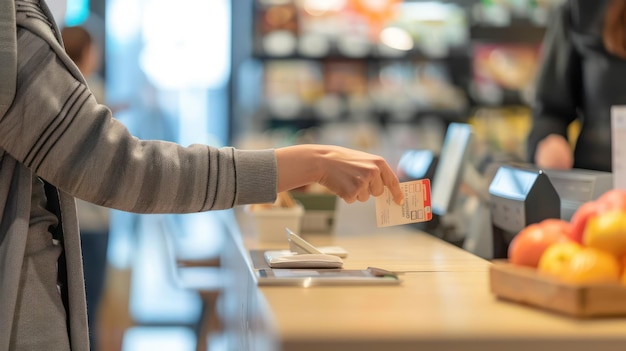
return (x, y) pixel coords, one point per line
(279, 259)
(301, 246)
(302, 254)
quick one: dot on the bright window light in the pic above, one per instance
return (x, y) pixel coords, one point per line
(77, 12)
(189, 50)
(123, 18)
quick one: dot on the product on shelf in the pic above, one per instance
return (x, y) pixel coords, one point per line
(358, 28)
(502, 131)
(504, 73)
(503, 12)
(277, 27)
(290, 86)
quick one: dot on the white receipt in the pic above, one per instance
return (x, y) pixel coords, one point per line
(416, 207)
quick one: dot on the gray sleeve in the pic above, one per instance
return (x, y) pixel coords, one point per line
(256, 176)
(57, 129)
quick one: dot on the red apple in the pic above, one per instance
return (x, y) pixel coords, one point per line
(529, 244)
(614, 199)
(611, 200)
(579, 220)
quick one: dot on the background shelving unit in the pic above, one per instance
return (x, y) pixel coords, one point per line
(277, 85)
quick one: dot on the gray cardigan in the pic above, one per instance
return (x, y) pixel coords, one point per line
(52, 127)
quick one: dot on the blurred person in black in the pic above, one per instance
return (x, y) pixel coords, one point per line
(581, 78)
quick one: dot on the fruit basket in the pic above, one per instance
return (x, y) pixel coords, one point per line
(526, 286)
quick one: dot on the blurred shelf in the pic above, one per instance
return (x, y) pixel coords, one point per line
(374, 55)
(310, 120)
(507, 98)
(459, 2)
(265, 46)
(518, 32)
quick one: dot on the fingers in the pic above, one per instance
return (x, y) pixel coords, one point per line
(375, 186)
(359, 189)
(390, 180)
(355, 175)
(363, 196)
(348, 200)
(364, 191)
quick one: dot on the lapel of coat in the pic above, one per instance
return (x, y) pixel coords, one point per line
(8, 55)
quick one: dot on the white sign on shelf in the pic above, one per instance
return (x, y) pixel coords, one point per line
(618, 132)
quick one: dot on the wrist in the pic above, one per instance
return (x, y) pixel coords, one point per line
(299, 165)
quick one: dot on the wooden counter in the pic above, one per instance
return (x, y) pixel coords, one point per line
(443, 303)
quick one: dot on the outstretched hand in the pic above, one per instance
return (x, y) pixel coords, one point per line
(352, 175)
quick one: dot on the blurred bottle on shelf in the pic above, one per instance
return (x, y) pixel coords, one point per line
(277, 25)
(503, 13)
(504, 73)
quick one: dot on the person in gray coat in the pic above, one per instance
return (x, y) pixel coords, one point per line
(57, 144)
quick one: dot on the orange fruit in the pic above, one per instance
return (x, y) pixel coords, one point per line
(556, 259)
(623, 262)
(591, 265)
(573, 263)
(607, 232)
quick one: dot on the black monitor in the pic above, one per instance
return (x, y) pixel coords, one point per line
(450, 167)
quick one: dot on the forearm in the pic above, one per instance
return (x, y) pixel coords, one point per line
(298, 166)
(56, 128)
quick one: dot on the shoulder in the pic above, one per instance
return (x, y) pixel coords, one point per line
(34, 19)
(43, 34)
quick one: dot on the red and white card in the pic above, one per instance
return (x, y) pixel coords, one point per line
(416, 207)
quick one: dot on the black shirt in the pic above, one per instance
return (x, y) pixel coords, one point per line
(578, 79)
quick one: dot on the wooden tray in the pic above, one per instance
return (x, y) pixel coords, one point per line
(524, 285)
